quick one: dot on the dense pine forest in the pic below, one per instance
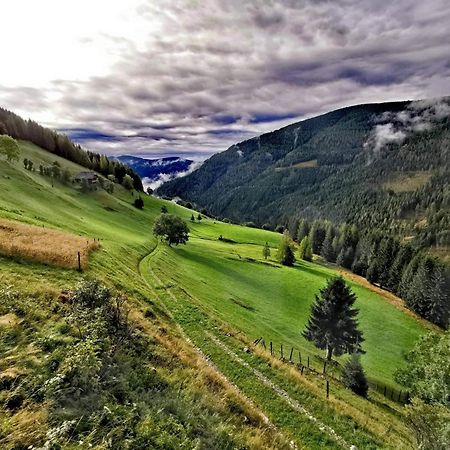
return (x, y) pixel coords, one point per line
(377, 165)
(13, 125)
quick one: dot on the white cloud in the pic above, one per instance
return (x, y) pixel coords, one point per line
(419, 116)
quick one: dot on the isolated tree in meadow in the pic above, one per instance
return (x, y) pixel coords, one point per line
(285, 254)
(332, 325)
(199, 217)
(171, 229)
(65, 176)
(266, 251)
(56, 170)
(25, 163)
(353, 376)
(149, 191)
(305, 250)
(9, 148)
(192, 218)
(138, 203)
(164, 209)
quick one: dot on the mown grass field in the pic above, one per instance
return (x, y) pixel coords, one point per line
(208, 286)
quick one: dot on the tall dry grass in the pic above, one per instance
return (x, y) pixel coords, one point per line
(44, 245)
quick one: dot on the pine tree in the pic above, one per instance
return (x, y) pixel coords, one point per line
(192, 218)
(316, 236)
(285, 253)
(303, 230)
(304, 250)
(439, 300)
(386, 255)
(327, 245)
(332, 324)
(353, 376)
(266, 251)
(402, 259)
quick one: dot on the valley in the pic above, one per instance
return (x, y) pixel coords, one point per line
(210, 298)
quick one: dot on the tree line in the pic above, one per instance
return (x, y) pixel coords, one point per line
(59, 144)
(421, 279)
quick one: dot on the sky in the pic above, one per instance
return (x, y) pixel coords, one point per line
(190, 78)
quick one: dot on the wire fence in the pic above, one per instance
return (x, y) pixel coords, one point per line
(324, 368)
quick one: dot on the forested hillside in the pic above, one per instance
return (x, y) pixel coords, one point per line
(13, 125)
(377, 165)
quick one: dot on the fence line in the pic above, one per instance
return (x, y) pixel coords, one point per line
(329, 370)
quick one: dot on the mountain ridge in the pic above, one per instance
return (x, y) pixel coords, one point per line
(339, 166)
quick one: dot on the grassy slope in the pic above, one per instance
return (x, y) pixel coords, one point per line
(274, 302)
(209, 271)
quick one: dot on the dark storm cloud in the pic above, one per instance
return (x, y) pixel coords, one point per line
(212, 73)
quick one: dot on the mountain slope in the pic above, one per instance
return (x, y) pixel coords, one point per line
(346, 165)
(158, 390)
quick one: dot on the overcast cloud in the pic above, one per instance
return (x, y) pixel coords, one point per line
(190, 78)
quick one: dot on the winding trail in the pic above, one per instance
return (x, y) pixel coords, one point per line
(144, 268)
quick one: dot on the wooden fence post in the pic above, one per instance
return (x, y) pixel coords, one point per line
(324, 366)
(302, 369)
(79, 262)
(271, 349)
(308, 362)
(281, 347)
(290, 356)
(328, 389)
(299, 357)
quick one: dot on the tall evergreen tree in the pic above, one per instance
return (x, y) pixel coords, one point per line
(305, 250)
(332, 325)
(266, 251)
(316, 236)
(285, 253)
(385, 258)
(303, 230)
(402, 259)
(327, 250)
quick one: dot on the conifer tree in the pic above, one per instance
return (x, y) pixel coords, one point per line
(266, 251)
(332, 325)
(316, 236)
(303, 230)
(327, 251)
(285, 253)
(353, 376)
(305, 251)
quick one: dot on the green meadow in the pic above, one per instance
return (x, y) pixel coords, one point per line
(209, 285)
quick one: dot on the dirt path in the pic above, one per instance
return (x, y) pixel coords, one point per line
(198, 350)
(294, 404)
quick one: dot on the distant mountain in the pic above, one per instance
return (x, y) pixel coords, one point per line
(376, 165)
(155, 171)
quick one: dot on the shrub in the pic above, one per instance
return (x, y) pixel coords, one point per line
(353, 376)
